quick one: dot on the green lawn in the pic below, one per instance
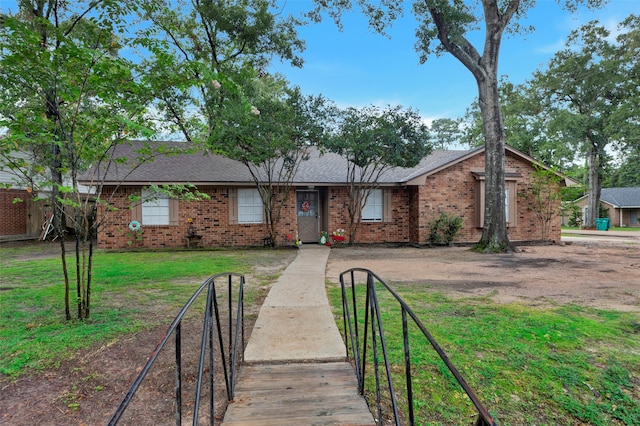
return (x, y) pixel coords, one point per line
(564, 365)
(131, 291)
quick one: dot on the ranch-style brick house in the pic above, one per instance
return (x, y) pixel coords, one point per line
(621, 204)
(398, 211)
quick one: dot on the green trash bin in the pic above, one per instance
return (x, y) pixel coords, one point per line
(602, 224)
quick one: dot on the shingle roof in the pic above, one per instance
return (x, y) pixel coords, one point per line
(196, 168)
(433, 162)
(621, 197)
(200, 168)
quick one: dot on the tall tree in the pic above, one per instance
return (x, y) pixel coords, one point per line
(529, 125)
(584, 87)
(375, 140)
(446, 133)
(66, 99)
(444, 26)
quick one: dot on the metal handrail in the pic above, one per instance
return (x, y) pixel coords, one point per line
(357, 346)
(230, 362)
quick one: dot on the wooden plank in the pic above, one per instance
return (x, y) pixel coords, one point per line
(351, 420)
(298, 394)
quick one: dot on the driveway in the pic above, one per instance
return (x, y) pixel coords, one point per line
(616, 237)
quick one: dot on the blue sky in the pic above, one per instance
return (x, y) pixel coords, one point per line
(358, 67)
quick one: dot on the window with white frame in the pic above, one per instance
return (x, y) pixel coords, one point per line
(250, 208)
(155, 208)
(373, 208)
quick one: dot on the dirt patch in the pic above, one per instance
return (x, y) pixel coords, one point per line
(88, 389)
(599, 275)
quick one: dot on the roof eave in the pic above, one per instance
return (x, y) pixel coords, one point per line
(421, 179)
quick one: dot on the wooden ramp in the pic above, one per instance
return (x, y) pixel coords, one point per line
(297, 394)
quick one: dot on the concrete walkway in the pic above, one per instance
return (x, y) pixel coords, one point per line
(295, 322)
(296, 371)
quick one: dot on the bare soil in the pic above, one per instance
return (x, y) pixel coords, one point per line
(597, 274)
(87, 389)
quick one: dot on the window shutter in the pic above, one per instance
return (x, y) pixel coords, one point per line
(479, 205)
(513, 211)
(233, 206)
(387, 213)
(174, 204)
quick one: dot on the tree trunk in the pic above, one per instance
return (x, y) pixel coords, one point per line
(494, 232)
(595, 186)
(89, 276)
(63, 258)
(354, 208)
(59, 222)
(484, 69)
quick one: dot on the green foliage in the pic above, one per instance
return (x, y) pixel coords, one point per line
(201, 53)
(575, 214)
(271, 138)
(446, 133)
(583, 102)
(627, 174)
(205, 68)
(68, 99)
(444, 229)
(374, 138)
(544, 198)
(571, 193)
(528, 365)
(603, 212)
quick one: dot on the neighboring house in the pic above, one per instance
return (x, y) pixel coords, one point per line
(20, 216)
(23, 210)
(622, 205)
(399, 211)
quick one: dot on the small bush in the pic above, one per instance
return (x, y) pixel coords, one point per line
(444, 229)
(575, 218)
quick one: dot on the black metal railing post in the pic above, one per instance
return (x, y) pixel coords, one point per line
(357, 347)
(407, 364)
(178, 374)
(211, 326)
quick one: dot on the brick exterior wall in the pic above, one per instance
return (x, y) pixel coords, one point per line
(394, 231)
(13, 216)
(210, 220)
(452, 190)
